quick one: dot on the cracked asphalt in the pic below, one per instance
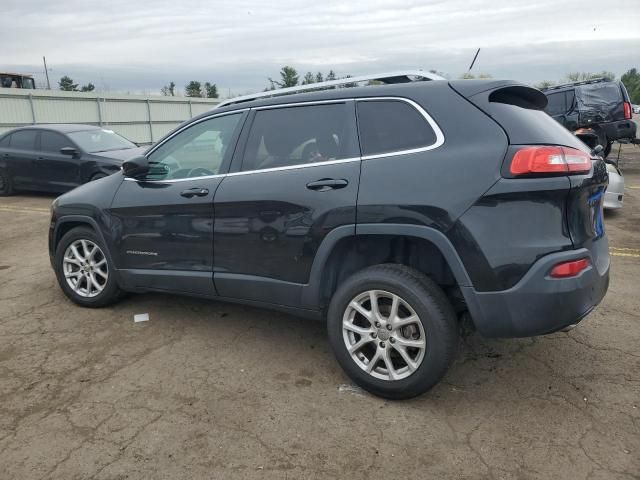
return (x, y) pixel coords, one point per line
(212, 390)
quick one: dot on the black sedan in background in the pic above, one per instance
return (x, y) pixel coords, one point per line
(59, 157)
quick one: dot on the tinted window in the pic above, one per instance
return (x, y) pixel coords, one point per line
(283, 137)
(391, 126)
(556, 104)
(53, 142)
(197, 151)
(4, 142)
(23, 140)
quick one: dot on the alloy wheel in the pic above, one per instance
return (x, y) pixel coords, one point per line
(384, 335)
(85, 268)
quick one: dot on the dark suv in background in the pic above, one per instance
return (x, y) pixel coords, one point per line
(600, 105)
(389, 211)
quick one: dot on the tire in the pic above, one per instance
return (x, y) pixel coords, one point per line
(6, 183)
(86, 294)
(435, 327)
(607, 149)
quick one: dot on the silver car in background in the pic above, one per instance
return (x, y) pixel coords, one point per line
(615, 191)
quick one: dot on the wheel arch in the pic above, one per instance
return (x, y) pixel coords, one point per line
(69, 222)
(336, 249)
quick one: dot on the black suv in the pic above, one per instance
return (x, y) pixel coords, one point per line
(601, 107)
(389, 211)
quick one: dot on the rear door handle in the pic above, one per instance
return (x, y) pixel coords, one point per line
(195, 192)
(326, 184)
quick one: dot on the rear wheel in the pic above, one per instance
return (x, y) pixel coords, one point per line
(607, 149)
(84, 270)
(6, 184)
(393, 330)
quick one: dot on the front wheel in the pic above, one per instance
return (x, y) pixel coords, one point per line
(84, 270)
(393, 330)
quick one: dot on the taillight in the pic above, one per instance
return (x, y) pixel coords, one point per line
(548, 159)
(569, 269)
(627, 111)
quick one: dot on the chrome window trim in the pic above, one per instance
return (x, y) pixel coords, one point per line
(248, 172)
(304, 104)
(432, 123)
(175, 180)
(295, 167)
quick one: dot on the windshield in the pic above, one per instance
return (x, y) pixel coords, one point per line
(94, 141)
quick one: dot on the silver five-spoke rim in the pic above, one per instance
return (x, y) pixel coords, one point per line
(383, 335)
(85, 268)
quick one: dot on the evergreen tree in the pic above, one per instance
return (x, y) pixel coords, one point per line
(211, 90)
(308, 79)
(193, 89)
(66, 84)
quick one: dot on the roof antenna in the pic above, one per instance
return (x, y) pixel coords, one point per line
(474, 61)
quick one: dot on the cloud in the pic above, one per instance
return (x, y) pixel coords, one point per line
(143, 45)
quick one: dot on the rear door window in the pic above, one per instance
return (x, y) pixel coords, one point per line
(388, 126)
(52, 142)
(289, 136)
(23, 140)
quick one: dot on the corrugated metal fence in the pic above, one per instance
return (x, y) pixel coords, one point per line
(142, 120)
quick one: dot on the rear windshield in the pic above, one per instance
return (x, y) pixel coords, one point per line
(600, 102)
(519, 111)
(600, 93)
(100, 140)
(526, 126)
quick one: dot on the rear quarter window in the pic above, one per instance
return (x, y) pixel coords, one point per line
(4, 142)
(556, 105)
(388, 126)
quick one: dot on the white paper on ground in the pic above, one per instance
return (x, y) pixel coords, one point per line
(141, 317)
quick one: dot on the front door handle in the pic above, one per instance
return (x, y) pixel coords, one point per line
(195, 192)
(326, 184)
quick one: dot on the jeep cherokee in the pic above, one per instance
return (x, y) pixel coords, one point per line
(388, 211)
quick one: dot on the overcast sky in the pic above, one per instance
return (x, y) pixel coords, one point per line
(141, 45)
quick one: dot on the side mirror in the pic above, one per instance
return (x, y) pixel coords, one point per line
(136, 166)
(72, 152)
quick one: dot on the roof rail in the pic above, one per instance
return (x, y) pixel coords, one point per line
(574, 84)
(389, 77)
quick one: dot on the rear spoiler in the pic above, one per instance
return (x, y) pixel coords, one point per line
(501, 91)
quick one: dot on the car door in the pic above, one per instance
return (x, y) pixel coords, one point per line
(55, 170)
(295, 180)
(163, 222)
(20, 157)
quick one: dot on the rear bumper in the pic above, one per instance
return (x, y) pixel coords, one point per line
(539, 304)
(620, 129)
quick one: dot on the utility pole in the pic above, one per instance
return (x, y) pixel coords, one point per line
(46, 72)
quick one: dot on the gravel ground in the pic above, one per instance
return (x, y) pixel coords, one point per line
(211, 390)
